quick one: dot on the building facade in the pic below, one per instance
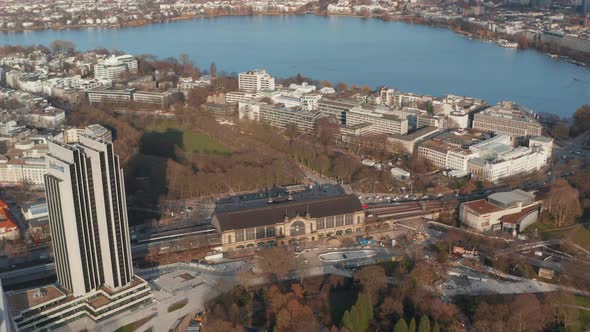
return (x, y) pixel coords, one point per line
(514, 211)
(87, 206)
(255, 81)
(113, 67)
(290, 222)
(507, 118)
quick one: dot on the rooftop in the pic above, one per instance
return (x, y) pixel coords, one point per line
(23, 300)
(509, 197)
(482, 206)
(273, 214)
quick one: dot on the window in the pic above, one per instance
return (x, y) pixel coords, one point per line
(330, 222)
(270, 231)
(240, 235)
(250, 234)
(297, 228)
(229, 238)
(348, 219)
(339, 221)
(321, 223)
(358, 220)
(260, 232)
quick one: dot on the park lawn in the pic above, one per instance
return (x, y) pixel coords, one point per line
(192, 142)
(178, 305)
(579, 235)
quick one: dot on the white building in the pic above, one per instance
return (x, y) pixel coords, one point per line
(514, 211)
(255, 81)
(381, 123)
(84, 185)
(309, 102)
(114, 66)
(490, 160)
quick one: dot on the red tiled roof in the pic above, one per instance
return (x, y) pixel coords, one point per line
(5, 220)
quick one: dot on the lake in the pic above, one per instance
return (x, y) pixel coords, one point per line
(409, 57)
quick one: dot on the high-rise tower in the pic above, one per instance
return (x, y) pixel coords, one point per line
(88, 216)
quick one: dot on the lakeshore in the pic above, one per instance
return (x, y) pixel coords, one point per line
(397, 54)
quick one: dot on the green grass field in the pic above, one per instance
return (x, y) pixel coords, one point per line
(168, 133)
(579, 235)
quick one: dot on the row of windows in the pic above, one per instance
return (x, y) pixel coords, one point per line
(254, 233)
(338, 221)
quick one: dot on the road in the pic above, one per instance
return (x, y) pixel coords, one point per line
(138, 250)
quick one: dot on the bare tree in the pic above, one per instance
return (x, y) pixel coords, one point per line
(563, 203)
(276, 261)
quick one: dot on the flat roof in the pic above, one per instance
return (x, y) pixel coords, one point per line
(509, 197)
(23, 300)
(482, 206)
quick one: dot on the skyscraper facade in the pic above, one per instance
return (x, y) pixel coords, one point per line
(88, 216)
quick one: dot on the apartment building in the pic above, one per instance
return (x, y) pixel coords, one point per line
(508, 118)
(113, 67)
(255, 81)
(25, 164)
(387, 96)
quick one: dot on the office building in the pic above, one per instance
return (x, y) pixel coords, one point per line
(115, 66)
(160, 99)
(490, 159)
(278, 116)
(380, 122)
(289, 222)
(255, 81)
(507, 118)
(513, 211)
(337, 108)
(101, 94)
(88, 221)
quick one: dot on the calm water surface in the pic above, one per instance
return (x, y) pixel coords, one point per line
(408, 57)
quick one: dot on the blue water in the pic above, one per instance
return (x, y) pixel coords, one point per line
(408, 57)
